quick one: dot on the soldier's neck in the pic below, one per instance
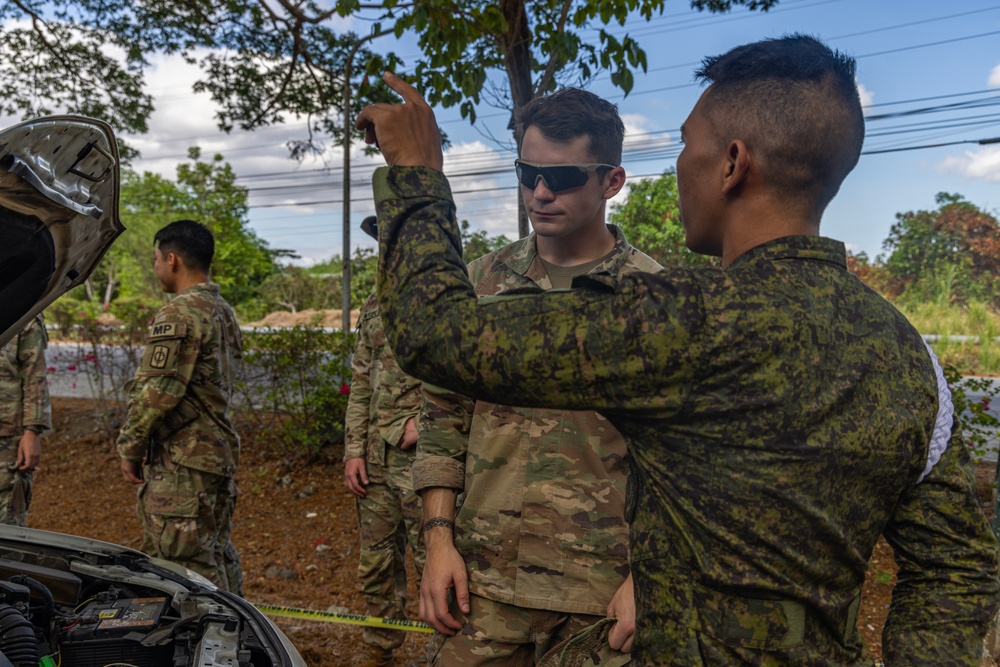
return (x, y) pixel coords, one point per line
(189, 279)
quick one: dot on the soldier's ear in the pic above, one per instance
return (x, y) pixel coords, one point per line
(173, 261)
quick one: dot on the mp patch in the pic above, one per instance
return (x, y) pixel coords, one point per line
(162, 330)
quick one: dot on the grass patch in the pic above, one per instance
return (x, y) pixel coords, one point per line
(969, 319)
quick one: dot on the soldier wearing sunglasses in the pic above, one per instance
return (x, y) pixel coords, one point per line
(780, 415)
(529, 474)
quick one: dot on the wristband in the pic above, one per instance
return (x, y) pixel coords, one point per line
(438, 522)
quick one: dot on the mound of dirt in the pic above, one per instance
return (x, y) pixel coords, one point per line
(323, 318)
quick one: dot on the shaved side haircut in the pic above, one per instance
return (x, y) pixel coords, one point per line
(189, 239)
(794, 102)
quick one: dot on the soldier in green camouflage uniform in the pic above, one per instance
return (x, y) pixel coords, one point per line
(25, 413)
(379, 445)
(542, 528)
(178, 440)
(780, 415)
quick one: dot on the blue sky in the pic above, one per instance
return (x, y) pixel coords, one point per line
(907, 52)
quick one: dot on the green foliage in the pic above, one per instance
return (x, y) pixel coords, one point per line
(949, 254)
(651, 221)
(978, 425)
(294, 386)
(106, 345)
(293, 289)
(478, 243)
(204, 191)
(266, 61)
(979, 323)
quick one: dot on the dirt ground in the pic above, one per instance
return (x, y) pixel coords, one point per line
(295, 529)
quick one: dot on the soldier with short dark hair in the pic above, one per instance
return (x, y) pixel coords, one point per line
(780, 415)
(25, 414)
(540, 541)
(178, 441)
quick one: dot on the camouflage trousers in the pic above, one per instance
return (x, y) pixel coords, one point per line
(505, 635)
(15, 486)
(186, 517)
(388, 520)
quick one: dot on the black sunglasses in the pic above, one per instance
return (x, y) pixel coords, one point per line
(557, 177)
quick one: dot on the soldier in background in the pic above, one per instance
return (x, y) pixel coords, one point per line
(25, 413)
(541, 536)
(178, 440)
(379, 446)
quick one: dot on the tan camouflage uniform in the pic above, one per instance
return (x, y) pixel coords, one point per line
(178, 420)
(542, 526)
(780, 417)
(382, 399)
(24, 403)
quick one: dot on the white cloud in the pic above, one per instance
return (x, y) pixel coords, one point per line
(487, 200)
(867, 97)
(980, 164)
(994, 79)
(636, 125)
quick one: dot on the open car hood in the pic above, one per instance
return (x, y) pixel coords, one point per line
(86, 603)
(59, 186)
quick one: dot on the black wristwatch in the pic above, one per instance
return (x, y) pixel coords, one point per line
(35, 428)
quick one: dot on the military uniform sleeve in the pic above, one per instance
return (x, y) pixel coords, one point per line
(947, 585)
(167, 365)
(402, 391)
(358, 416)
(609, 344)
(37, 409)
(445, 420)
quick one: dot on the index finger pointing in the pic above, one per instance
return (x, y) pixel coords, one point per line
(405, 90)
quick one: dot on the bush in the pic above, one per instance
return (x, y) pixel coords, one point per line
(294, 386)
(105, 348)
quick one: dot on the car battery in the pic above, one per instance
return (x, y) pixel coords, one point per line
(109, 633)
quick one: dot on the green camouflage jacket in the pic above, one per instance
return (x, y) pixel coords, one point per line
(780, 416)
(532, 473)
(24, 388)
(382, 397)
(180, 396)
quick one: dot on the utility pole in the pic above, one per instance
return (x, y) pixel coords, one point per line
(348, 128)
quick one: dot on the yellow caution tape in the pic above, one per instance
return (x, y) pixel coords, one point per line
(351, 619)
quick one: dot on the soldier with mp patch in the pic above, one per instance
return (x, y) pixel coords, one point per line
(25, 414)
(178, 442)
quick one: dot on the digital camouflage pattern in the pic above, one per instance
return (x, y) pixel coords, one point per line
(24, 401)
(186, 516)
(24, 387)
(542, 524)
(382, 399)
(179, 422)
(778, 415)
(495, 633)
(15, 485)
(388, 521)
(179, 398)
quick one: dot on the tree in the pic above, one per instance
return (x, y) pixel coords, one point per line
(204, 191)
(651, 221)
(269, 59)
(952, 252)
(478, 243)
